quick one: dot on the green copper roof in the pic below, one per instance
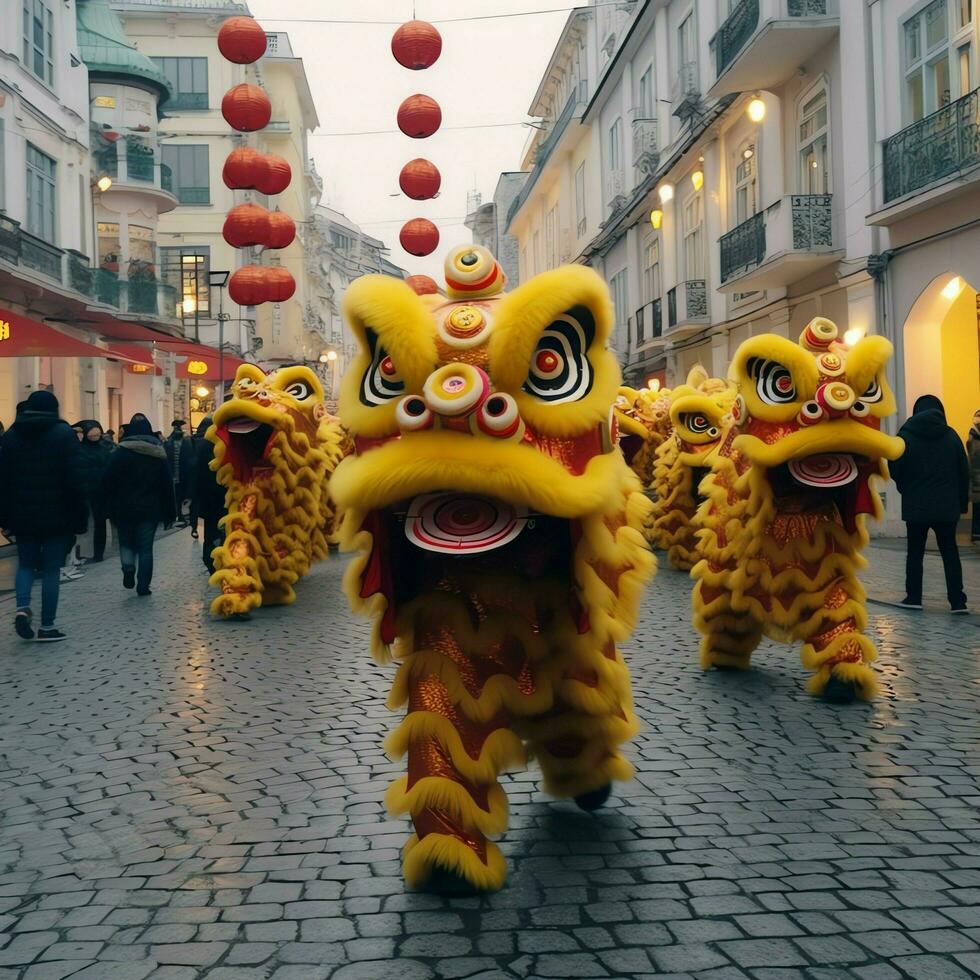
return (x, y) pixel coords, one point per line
(106, 50)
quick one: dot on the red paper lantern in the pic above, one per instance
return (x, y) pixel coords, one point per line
(248, 224)
(420, 179)
(242, 168)
(241, 40)
(275, 176)
(419, 237)
(416, 45)
(281, 230)
(247, 286)
(280, 284)
(246, 108)
(423, 285)
(419, 116)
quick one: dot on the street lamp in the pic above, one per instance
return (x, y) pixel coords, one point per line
(219, 278)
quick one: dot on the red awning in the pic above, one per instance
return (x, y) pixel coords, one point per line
(120, 330)
(22, 337)
(200, 362)
(139, 360)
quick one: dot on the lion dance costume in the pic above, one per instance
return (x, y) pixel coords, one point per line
(783, 522)
(500, 546)
(643, 417)
(697, 412)
(275, 447)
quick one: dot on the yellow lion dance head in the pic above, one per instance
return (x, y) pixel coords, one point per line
(499, 537)
(275, 447)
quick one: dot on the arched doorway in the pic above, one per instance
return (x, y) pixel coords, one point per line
(942, 352)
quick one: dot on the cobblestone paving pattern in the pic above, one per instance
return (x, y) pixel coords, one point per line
(183, 799)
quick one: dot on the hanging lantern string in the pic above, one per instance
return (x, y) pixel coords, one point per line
(380, 132)
(444, 20)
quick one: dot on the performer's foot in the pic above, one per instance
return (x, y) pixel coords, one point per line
(442, 881)
(839, 691)
(594, 799)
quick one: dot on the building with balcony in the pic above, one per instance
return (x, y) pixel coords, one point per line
(558, 207)
(923, 206)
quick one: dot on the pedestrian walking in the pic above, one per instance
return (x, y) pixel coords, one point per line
(933, 478)
(973, 450)
(180, 455)
(209, 495)
(95, 456)
(40, 506)
(138, 494)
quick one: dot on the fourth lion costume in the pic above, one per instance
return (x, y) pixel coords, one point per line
(501, 554)
(782, 527)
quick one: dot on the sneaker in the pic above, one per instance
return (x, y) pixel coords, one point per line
(50, 636)
(144, 592)
(22, 624)
(906, 603)
(71, 574)
(960, 610)
(129, 577)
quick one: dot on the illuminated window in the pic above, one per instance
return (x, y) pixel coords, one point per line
(186, 269)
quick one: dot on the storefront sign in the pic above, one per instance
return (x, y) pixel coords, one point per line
(4, 330)
(105, 101)
(197, 367)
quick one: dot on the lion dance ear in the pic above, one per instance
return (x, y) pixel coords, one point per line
(250, 371)
(697, 376)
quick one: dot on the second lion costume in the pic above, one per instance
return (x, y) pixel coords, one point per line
(500, 548)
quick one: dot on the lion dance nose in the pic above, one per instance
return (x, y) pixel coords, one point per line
(456, 390)
(835, 398)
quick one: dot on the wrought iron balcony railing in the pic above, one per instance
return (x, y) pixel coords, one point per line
(41, 256)
(9, 239)
(693, 305)
(141, 296)
(743, 22)
(744, 247)
(938, 146)
(656, 319)
(649, 322)
(686, 93)
(733, 34)
(139, 162)
(105, 287)
(812, 221)
(80, 273)
(646, 152)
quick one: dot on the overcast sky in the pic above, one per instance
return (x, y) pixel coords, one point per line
(488, 73)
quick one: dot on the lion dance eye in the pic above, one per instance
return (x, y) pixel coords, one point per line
(872, 393)
(298, 389)
(413, 414)
(695, 422)
(560, 368)
(773, 382)
(498, 416)
(381, 381)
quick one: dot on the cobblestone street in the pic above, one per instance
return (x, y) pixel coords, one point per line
(185, 799)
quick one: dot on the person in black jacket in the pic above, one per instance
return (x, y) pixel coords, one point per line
(933, 477)
(95, 454)
(180, 456)
(41, 504)
(209, 495)
(138, 494)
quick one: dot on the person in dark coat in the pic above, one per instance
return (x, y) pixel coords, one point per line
(973, 449)
(209, 495)
(138, 494)
(41, 505)
(180, 456)
(95, 455)
(933, 478)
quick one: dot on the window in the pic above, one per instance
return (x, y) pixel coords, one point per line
(651, 271)
(813, 138)
(618, 287)
(645, 100)
(551, 238)
(39, 39)
(580, 199)
(3, 167)
(191, 172)
(745, 186)
(616, 146)
(345, 243)
(938, 45)
(41, 188)
(186, 269)
(536, 252)
(686, 49)
(693, 237)
(188, 78)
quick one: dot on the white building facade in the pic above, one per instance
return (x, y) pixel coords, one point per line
(755, 163)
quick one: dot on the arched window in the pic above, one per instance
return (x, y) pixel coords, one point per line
(814, 141)
(746, 195)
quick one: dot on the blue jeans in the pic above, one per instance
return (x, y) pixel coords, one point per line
(136, 550)
(46, 555)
